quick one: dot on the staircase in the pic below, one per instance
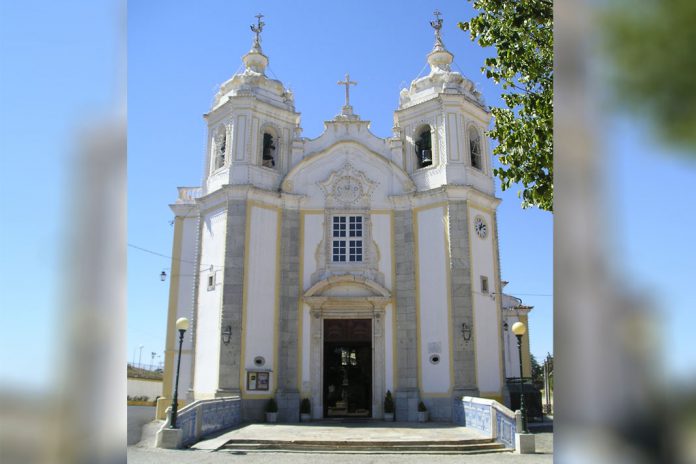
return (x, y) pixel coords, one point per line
(470, 446)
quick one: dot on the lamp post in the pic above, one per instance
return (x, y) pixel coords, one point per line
(182, 325)
(519, 329)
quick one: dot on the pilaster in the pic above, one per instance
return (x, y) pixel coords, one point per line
(232, 298)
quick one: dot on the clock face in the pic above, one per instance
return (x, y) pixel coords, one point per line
(480, 227)
(348, 189)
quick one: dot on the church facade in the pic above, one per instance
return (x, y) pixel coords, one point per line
(342, 267)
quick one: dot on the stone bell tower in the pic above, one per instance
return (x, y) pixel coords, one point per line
(441, 120)
(251, 126)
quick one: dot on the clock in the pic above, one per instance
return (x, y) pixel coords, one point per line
(348, 189)
(480, 227)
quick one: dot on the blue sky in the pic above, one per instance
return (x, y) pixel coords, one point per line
(178, 56)
(62, 58)
(58, 71)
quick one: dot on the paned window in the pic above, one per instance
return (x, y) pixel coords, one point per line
(347, 239)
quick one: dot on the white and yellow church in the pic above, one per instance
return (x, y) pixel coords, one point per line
(342, 267)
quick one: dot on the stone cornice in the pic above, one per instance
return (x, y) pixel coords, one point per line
(443, 194)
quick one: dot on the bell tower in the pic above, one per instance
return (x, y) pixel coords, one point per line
(441, 121)
(251, 126)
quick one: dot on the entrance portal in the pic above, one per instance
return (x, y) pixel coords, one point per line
(347, 368)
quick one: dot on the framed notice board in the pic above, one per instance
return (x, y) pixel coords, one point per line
(257, 381)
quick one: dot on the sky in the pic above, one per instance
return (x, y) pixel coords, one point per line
(179, 54)
(59, 72)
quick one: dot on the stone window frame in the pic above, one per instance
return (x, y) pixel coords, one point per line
(215, 156)
(416, 135)
(274, 131)
(369, 253)
(350, 242)
(482, 159)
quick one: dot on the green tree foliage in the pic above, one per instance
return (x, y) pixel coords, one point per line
(522, 33)
(649, 46)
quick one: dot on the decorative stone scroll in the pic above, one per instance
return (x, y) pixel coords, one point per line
(348, 187)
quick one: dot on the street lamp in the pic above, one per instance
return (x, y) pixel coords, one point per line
(182, 325)
(519, 329)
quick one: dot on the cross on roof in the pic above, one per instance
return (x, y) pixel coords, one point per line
(347, 83)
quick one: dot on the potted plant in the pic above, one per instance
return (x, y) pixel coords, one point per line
(388, 407)
(422, 412)
(271, 411)
(305, 410)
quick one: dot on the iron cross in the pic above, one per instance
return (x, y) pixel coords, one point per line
(347, 83)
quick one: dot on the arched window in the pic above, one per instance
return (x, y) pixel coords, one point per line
(220, 147)
(269, 150)
(475, 147)
(424, 153)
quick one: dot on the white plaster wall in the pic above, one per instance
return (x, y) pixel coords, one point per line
(320, 166)
(389, 347)
(184, 295)
(486, 326)
(433, 301)
(213, 233)
(381, 235)
(260, 332)
(313, 235)
(140, 387)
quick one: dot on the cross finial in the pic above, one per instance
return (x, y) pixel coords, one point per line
(257, 28)
(437, 25)
(347, 83)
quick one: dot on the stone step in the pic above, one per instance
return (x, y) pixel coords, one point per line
(366, 447)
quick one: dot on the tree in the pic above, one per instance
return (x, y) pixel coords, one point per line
(522, 33)
(649, 47)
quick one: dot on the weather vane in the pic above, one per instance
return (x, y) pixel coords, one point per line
(437, 25)
(257, 30)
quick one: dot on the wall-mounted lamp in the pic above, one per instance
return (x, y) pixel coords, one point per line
(466, 332)
(227, 335)
(505, 326)
(163, 276)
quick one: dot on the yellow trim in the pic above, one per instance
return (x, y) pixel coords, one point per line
(300, 304)
(245, 292)
(170, 345)
(474, 337)
(439, 204)
(395, 358)
(498, 300)
(448, 277)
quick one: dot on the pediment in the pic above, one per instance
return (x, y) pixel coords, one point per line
(349, 291)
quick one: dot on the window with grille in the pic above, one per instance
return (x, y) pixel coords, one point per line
(347, 240)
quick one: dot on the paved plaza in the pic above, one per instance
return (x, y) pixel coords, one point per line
(203, 452)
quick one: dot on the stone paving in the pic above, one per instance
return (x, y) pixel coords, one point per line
(322, 431)
(145, 453)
